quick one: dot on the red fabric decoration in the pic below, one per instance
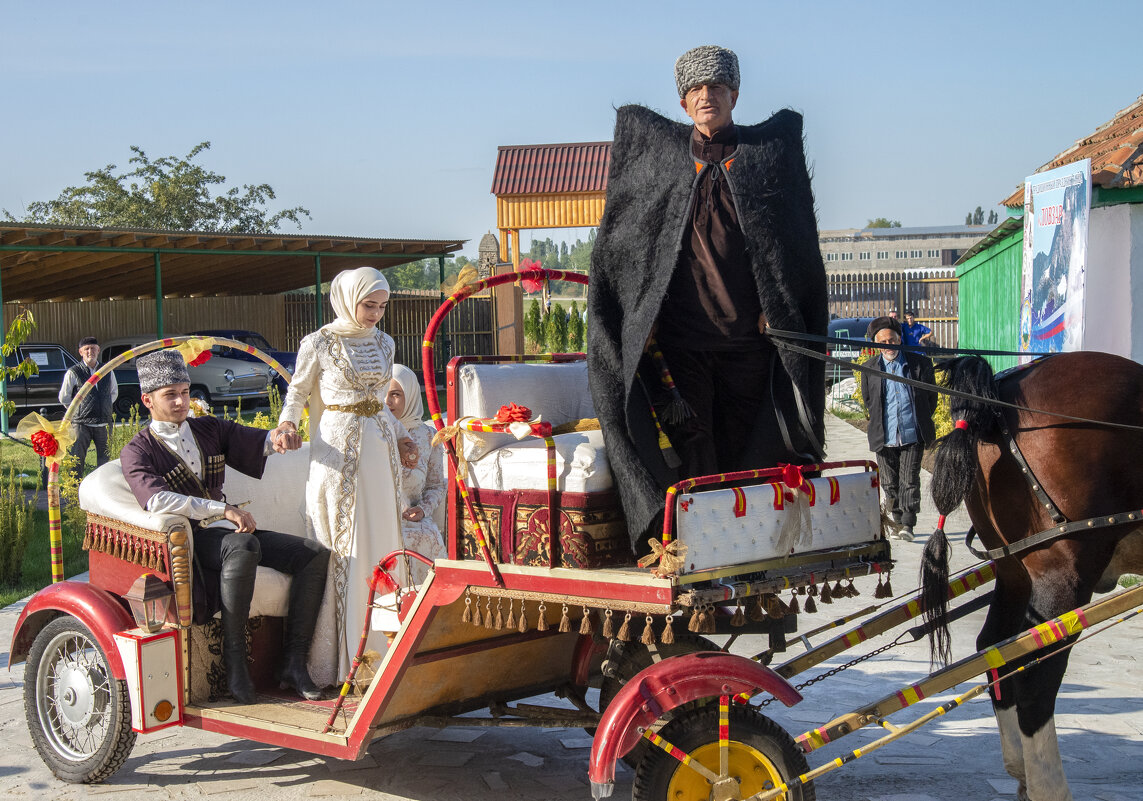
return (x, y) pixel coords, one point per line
(792, 476)
(202, 358)
(961, 424)
(531, 284)
(44, 444)
(512, 413)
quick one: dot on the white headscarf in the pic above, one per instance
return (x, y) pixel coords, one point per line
(347, 290)
(414, 407)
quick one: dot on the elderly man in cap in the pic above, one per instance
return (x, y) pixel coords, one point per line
(900, 423)
(708, 236)
(93, 418)
(176, 466)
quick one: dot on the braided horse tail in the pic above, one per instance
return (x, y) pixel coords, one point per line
(953, 475)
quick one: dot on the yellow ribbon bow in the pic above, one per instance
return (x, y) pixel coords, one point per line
(61, 433)
(193, 348)
(671, 557)
(467, 276)
(455, 431)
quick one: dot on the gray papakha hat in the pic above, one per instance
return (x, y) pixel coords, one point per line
(161, 369)
(705, 65)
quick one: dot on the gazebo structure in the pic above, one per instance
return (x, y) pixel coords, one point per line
(548, 186)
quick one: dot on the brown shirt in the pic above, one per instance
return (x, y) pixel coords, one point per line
(712, 299)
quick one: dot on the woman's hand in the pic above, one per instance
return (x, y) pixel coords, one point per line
(285, 437)
(410, 454)
(414, 514)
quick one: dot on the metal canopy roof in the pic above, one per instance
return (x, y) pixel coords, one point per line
(47, 262)
(551, 169)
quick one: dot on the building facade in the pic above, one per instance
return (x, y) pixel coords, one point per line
(897, 249)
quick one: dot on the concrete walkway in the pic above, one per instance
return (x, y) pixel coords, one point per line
(1100, 723)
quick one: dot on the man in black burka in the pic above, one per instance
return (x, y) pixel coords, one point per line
(708, 236)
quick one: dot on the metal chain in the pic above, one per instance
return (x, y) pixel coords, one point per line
(846, 666)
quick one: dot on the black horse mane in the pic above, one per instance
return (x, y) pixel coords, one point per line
(953, 473)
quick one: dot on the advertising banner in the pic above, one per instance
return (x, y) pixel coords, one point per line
(1057, 204)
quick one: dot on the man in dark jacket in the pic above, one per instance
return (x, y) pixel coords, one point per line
(900, 422)
(708, 236)
(177, 466)
(93, 418)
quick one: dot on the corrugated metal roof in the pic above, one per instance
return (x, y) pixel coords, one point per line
(49, 262)
(1115, 150)
(551, 169)
(1005, 228)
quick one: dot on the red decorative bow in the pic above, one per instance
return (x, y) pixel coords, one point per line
(44, 444)
(792, 476)
(513, 413)
(531, 284)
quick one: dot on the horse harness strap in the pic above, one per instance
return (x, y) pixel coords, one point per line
(1062, 527)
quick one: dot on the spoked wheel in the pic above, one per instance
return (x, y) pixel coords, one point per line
(78, 713)
(693, 758)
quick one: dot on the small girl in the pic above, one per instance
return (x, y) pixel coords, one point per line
(424, 485)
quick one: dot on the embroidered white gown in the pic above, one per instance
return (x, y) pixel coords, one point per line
(424, 486)
(353, 488)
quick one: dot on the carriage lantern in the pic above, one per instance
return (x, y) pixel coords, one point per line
(149, 599)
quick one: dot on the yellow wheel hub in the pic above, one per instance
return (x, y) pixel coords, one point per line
(750, 768)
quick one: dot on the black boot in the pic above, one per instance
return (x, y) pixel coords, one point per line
(237, 589)
(306, 590)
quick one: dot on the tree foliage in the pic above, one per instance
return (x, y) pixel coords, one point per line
(534, 333)
(556, 323)
(18, 332)
(166, 193)
(575, 328)
(425, 274)
(883, 222)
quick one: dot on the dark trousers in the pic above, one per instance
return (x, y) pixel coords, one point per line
(282, 552)
(84, 436)
(728, 391)
(901, 480)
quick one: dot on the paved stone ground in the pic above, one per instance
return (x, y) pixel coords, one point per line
(1100, 722)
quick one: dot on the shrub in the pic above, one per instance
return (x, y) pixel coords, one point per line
(534, 334)
(575, 328)
(17, 513)
(556, 323)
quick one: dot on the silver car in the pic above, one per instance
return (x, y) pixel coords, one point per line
(219, 380)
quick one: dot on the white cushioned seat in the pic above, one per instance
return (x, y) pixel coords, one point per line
(277, 502)
(556, 392)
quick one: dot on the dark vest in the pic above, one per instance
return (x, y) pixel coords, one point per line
(95, 409)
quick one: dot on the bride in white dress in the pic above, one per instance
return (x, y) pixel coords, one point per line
(353, 492)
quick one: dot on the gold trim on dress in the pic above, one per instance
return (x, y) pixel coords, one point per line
(366, 408)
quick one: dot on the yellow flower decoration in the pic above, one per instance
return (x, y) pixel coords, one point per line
(51, 440)
(192, 349)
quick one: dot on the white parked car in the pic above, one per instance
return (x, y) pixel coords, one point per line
(219, 380)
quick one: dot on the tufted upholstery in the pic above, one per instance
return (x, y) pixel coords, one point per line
(277, 503)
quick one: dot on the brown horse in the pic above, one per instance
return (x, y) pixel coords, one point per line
(1086, 470)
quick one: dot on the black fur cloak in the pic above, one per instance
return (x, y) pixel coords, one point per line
(650, 186)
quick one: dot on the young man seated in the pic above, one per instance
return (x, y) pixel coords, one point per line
(176, 466)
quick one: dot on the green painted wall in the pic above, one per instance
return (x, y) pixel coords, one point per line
(990, 298)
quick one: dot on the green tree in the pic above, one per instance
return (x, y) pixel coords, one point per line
(883, 222)
(534, 333)
(975, 217)
(18, 332)
(993, 218)
(556, 323)
(575, 328)
(167, 193)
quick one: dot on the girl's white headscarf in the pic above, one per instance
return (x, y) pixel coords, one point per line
(347, 290)
(414, 406)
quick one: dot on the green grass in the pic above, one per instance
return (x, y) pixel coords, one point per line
(37, 569)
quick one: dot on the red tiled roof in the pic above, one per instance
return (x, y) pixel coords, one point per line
(1115, 150)
(551, 169)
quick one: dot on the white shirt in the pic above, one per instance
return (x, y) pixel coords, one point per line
(180, 439)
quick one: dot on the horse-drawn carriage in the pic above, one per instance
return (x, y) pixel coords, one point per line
(540, 593)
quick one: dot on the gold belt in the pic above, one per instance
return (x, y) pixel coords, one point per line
(366, 408)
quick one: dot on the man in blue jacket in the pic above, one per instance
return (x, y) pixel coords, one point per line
(900, 422)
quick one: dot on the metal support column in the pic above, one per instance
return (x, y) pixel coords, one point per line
(446, 345)
(3, 372)
(319, 306)
(158, 295)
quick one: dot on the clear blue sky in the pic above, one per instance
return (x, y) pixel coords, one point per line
(384, 118)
